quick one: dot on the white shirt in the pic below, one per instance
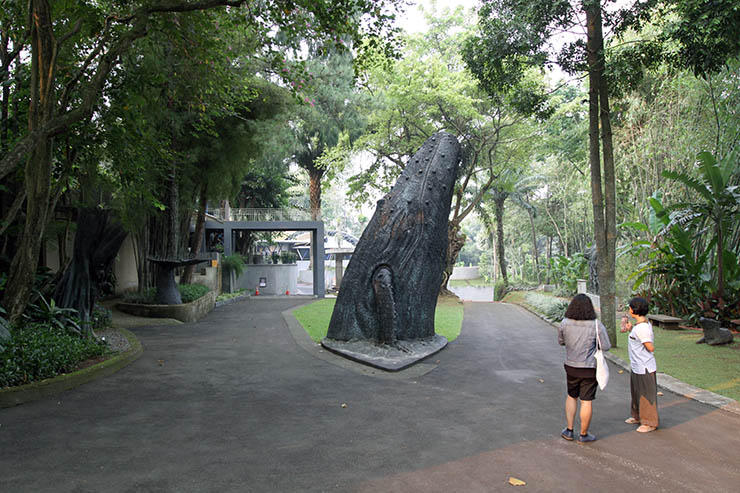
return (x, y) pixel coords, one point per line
(641, 360)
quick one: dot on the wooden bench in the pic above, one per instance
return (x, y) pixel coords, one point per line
(665, 321)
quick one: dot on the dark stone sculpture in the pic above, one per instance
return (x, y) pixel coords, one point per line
(167, 292)
(713, 333)
(389, 292)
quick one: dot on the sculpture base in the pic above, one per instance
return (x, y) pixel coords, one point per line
(386, 358)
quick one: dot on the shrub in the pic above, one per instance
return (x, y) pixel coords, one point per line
(188, 293)
(191, 292)
(101, 317)
(37, 351)
(145, 297)
(233, 263)
(288, 257)
(552, 308)
(46, 312)
(567, 270)
(499, 290)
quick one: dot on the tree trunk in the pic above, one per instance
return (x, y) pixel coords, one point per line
(38, 168)
(200, 227)
(534, 245)
(455, 243)
(315, 175)
(604, 217)
(498, 200)
(97, 242)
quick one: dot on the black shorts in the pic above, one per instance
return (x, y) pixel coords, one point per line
(581, 382)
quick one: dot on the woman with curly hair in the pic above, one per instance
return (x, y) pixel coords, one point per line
(577, 332)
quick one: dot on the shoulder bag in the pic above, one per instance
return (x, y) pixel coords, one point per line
(602, 370)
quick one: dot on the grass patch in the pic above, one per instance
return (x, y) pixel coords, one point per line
(477, 282)
(711, 368)
(315, 317)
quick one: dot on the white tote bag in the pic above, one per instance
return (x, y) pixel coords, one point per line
(602, 370)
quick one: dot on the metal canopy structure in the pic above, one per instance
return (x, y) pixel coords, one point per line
(315, 227)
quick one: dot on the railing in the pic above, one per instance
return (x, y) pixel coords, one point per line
(263, 214)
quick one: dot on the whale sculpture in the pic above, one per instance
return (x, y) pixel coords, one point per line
(389, 292)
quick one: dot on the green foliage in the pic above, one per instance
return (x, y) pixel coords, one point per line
(499, 290)
(37, 351)
(288, 257)
(145, 297)
(688, 271)
(101, 317)
(566, 271)
(551, 307)
(46, 312)
(689, 33)
(228, 296)
(191, 292)
(188, 293)
(234, 263)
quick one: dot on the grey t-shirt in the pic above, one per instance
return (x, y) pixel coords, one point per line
(641, 360)
(579, 339)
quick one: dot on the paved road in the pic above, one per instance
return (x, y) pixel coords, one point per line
(233, 403)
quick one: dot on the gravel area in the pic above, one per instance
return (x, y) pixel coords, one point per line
(116, 341)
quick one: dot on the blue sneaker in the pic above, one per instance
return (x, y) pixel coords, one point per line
(567, 434)
(588, 437)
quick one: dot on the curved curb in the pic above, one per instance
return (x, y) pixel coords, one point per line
(668, 382)
(304, 341)
(51, 386)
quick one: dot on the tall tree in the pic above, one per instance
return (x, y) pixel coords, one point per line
(429, 90)
(515, 36)
(90, 55)
(332, 108)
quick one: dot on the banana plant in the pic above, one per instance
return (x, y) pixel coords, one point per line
(718, 201)
(675, 261)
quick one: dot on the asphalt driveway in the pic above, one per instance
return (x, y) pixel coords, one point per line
(240, 402)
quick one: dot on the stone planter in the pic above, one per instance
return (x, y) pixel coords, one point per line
(186, 312)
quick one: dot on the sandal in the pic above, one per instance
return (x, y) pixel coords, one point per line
(632, 421)
(646, 429)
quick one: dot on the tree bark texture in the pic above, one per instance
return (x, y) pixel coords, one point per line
(97, 241)
(455, 243)
(604, 216)
(315, 174)
(498, 200)
(535, 254)
(200, 227)
(39, 165)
